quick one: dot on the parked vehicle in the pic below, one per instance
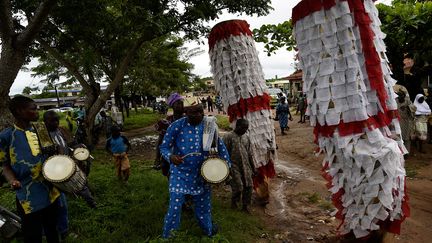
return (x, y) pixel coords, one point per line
(66, 109)
(273, 92)
(55, 109)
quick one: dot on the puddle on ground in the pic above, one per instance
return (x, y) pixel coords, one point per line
(288, 175)
(148, 141)
(286, 170)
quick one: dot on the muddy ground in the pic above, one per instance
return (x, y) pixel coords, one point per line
(300, 208)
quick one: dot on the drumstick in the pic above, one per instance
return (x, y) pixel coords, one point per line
(190, 154)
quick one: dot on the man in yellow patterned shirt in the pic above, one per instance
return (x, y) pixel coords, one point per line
(21, 158)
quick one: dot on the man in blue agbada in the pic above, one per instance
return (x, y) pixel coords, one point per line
(186, 145)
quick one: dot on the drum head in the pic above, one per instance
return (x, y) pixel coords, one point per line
(58, 168)
(81, 154)
(215, 170)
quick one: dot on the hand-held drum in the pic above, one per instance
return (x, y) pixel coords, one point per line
(214, 170)
(81, 154)
(62, 171)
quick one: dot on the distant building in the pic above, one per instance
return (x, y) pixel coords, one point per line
(292, 84)
(48, 103)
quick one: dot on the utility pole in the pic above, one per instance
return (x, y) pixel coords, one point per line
(58, 100)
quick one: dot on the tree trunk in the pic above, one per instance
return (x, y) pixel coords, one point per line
(11, 62)
(126, 101)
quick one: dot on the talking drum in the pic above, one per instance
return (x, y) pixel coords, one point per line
(62, 171)
(81, 154)
(214, 170)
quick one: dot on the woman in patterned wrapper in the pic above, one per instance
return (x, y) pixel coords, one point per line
(283, 113)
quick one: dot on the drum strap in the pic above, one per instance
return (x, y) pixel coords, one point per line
(210, 128)
(45, 140)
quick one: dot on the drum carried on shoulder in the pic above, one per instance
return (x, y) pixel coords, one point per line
(64, 173)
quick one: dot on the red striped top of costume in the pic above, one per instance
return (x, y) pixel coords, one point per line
(225, 29)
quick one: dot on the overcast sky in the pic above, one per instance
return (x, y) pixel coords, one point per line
(280, 64)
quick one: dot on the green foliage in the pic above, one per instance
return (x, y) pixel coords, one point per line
(275, 36)
(135, 212)
(158, 69)
(407, 25)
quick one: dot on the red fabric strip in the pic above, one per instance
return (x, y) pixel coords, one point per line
(225, 29)
(243, 106)
(267, 170)
(372, 59)
(357, 127)
(307, 7)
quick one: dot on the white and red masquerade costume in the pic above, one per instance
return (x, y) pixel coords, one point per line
(239, 79)
(352, 106)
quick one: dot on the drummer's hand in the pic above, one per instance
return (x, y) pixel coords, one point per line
(15, 184)
(176, 159)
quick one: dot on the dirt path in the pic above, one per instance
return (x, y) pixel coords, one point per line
(304, 213)
(300, 208)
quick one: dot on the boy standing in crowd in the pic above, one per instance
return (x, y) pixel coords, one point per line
(239, 147)
(118, 145)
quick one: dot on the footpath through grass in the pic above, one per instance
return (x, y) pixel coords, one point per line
(134, 213)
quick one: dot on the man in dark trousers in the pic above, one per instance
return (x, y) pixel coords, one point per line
(22, 156)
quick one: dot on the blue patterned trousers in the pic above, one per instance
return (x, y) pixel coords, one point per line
(202, 209)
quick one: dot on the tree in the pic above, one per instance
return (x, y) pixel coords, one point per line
(28, 90)
(407, 25)
(275, 36)
(99, 39)
(15, 42)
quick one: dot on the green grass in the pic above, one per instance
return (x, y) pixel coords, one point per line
(223, 123)
(315, 198)
(141, 119)
(135, 213)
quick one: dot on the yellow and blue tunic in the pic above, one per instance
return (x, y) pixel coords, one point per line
(21, 150)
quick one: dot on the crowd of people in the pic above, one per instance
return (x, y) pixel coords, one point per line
(413, 106)
(187, 138)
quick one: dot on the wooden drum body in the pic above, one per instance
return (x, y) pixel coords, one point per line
(62, 171)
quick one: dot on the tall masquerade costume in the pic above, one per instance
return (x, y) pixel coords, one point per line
(352, 106)
(239, 79)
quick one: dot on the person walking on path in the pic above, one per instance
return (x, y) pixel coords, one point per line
(302, 108)
(239, 147)
(283, 114)
(209, 104)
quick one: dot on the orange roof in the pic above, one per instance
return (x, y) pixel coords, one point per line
(296, 76)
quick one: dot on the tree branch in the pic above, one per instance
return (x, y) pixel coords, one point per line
(63, 61)
(35, 23)
(122, 68)
(6, 21)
